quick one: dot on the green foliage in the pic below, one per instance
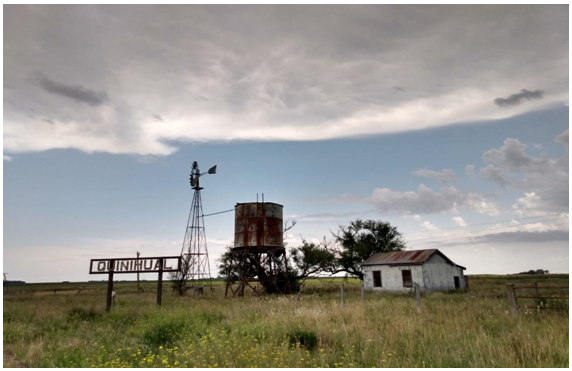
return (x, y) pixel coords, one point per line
(83, 314)
(273, 283)
(311, 259)
(210, 318)
(307, 339)
(163, 330)
(179, 279)
(361, 239)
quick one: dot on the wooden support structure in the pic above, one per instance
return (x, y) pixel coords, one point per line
(299, 296)
(362, 292)
(160, 283)
(511, 299)
(418, 298)
(343, 295)
(110, 285)
(138, 267)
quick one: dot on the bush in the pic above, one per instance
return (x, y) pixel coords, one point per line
(306, 339)
(83, 314)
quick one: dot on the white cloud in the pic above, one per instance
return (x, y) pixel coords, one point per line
(424, 201)
(543, 180)
(8, 158)
(198, 75)
(562, 138)
(493, 174)
(470, 169)
(444, 176)
(429, 226)
(459, 221)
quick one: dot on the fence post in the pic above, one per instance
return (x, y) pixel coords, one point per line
(343, 296)
(418, 296)
(300, 292)
(362, 292)
(511, 299)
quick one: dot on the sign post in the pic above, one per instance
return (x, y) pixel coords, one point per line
(110, 286)
(160, 283)
(135, 265)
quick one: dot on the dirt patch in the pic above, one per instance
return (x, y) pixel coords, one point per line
(9, 361)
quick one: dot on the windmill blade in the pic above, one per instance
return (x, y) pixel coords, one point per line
(212, 170)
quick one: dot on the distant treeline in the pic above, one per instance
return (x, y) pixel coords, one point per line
(14, 282)
(532, 271)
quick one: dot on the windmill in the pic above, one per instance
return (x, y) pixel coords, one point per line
(196, 266)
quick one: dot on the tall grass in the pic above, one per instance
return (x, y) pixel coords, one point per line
(472, 329)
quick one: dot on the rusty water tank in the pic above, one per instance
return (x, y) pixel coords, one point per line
(258, 225)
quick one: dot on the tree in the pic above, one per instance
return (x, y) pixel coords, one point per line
(360, 240)
(179, 279)
(312, 259)
(537, 271)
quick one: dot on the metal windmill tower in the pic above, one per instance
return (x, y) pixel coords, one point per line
(194, 250)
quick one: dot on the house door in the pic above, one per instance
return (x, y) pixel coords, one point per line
(457, 282)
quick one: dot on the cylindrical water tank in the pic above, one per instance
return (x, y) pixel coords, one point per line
(258, 225)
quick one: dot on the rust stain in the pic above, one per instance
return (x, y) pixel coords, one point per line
(258, 225)
(410, 257)
(401, 257)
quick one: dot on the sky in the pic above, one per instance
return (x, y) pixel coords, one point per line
(449, 122)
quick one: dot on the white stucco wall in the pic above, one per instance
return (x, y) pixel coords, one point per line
(391, 277)
(438, 274)
(435, 274)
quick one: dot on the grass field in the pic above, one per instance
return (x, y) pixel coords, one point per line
(64, 328)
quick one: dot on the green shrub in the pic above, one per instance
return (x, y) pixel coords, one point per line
(83, 314)
(163, 331)
(306, 339)
(210, 318)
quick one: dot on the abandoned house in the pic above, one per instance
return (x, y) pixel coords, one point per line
(400, 270)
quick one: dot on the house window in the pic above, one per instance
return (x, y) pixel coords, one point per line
(376, 278)
(406, 275)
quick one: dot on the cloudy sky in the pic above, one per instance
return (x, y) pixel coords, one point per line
(450, 122)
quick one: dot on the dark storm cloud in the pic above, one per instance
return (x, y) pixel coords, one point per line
(75, 92)
(283, 72)
(516, 99)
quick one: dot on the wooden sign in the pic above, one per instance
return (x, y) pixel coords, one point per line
(135, 265)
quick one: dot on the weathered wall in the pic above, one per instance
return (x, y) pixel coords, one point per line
(438, 274)
(391, 278)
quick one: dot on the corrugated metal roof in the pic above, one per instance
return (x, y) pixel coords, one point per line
(407, 257)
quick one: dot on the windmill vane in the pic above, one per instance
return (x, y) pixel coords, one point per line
(196, 174)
